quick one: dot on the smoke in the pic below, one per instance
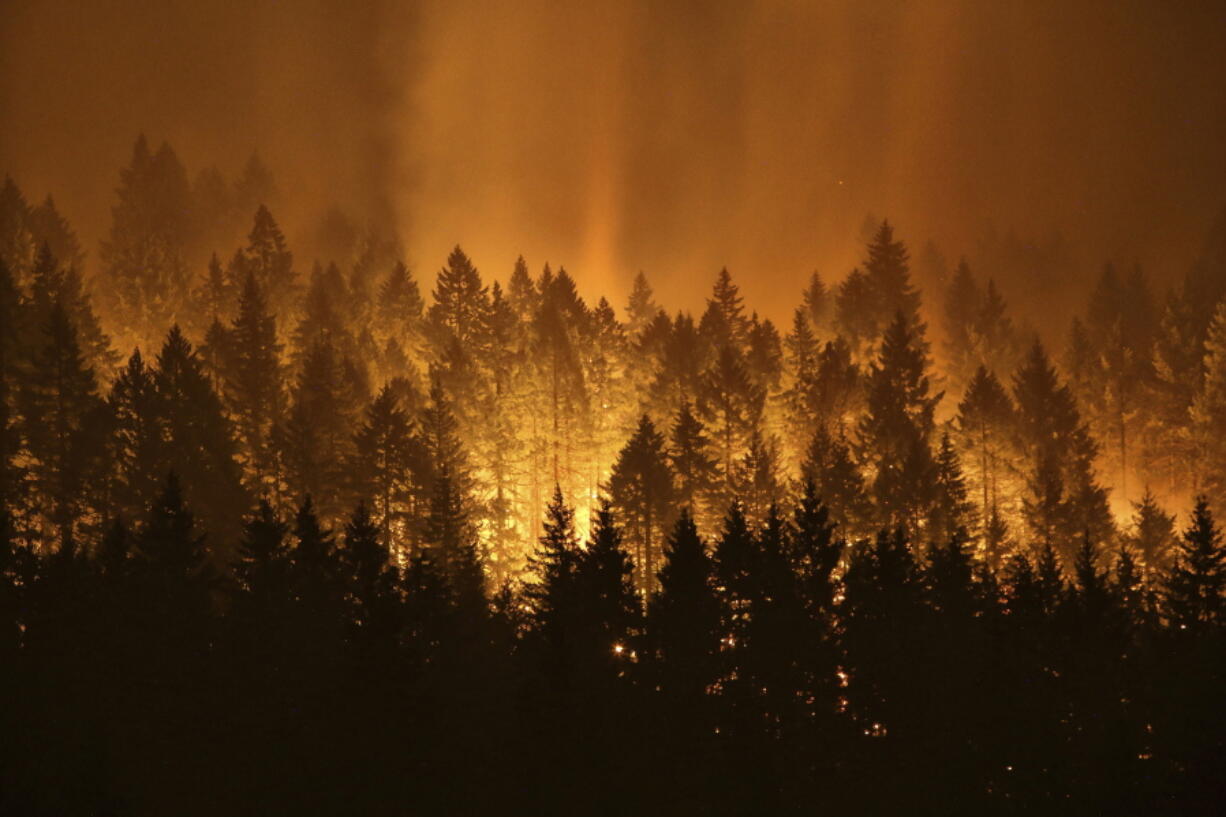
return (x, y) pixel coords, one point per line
(673, 137)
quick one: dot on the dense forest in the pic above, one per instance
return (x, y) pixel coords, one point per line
(347, 541)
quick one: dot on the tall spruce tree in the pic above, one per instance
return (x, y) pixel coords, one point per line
(641, 489)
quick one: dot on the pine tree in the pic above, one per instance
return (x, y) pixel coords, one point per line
(316, 440)
(17, 244)
(888, 275)
(13, 472)
(896, 429)
(641, 488)
(1208, 410)
(693, 469)
(818, 305)
(252, 387)
(642, 308)
(324, 320)
(731, 406)
(139, 436)
(684, 620)
(262, 564)
(143, 257)
(400, 309)
(452, 537)
(962, 304)
(53, 284)
(1197, 581)
(460, 303)
(268, 260)
(855, 311)
(756, 478)
(984, 428)
(199, 442)
(386, 458)
(1153, 534)
(1062, 499)
(830, 467)
(172, 565)
(604, 581)
(370, 578)
(724, 323)
(61, 420)
(952, 513)
(552, 594)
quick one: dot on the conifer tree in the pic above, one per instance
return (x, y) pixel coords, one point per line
(952, 512)
(370, 578)
(731, 406)
(724, 322)
(888, 277)
(1208, 410)
(13, 473)
(830, 467)
(316, 440)
(818, 304)
(199, 442)
(400, 309)
(144, 256)
(684, 618)
(268, 260)
(1197, 580)
(1062, 498)
(173, 570)
(896, 429)
(452, 537)
(641, 309)
(641, 489)
(63, 422)
(693, 468)
(386, 458)
(263, 558)
(855, 311)
(962, 304)
(984, 429)
(53, 284)
(139, 436)
(252, 387)
(552, 594)
(604, 581)
(1153, 534)
(460, 303)
(17, 244)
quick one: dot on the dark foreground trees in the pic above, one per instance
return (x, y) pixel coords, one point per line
(778, 669)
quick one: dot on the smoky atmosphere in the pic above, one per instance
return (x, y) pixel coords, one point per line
(695, 407)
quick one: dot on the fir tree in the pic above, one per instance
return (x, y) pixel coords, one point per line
(830, 467)
(641, 488)
(641, 309)
(693, 469)
(251, 378)
(684, 617)
(896, 429)
(460, 303)
(1197, 580)
(268, 260)
(1153, 534)
(952, 513)
(199, 442)
(386, 457)
(61, 420)
(984, 429)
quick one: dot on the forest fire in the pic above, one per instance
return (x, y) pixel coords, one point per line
(326, 488)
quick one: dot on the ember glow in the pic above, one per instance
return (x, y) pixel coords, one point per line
(477, 407)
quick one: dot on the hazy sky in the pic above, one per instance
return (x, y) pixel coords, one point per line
(673, 137)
